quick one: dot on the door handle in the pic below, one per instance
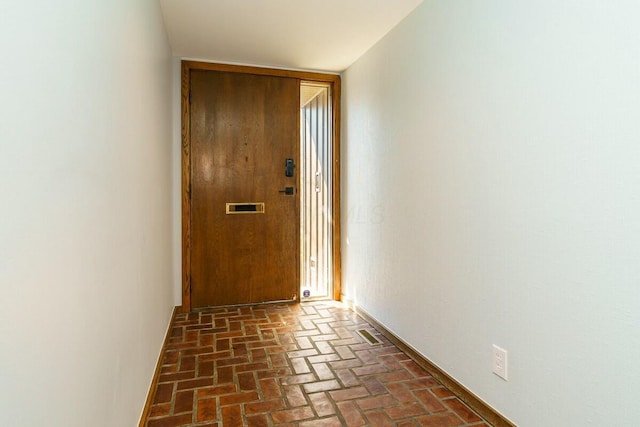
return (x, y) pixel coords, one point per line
(287, 191)
(289, 166)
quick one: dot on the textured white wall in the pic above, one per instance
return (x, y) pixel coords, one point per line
(85, 217)
(492, 195)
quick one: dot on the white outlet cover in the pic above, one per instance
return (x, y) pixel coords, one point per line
(499, 362)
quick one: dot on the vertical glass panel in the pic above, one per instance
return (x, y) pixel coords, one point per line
(316, 160)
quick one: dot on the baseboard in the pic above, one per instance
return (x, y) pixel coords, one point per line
(474, 402)
(156, 373)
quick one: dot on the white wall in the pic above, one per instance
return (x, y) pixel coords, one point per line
(492, 195)
(85, 217)
(176, 201)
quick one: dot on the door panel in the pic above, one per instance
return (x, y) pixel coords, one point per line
(316, 190)
(243, 127)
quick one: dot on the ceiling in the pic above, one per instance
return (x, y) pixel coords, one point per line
(323, 35)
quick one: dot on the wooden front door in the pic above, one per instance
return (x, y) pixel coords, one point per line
(244, 226)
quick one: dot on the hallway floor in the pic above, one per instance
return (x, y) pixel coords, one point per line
(293, 365)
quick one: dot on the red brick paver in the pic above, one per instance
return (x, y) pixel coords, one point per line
(293, 365)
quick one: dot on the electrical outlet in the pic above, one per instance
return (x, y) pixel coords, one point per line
(499, 362)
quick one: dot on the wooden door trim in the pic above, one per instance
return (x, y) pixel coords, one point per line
(334, 81)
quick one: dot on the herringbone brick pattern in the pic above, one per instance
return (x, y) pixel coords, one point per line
(293, 365)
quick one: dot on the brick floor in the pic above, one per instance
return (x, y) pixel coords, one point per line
(293, 365)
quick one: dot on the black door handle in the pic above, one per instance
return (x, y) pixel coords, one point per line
(288, 191)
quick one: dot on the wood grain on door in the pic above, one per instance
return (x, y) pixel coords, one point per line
(243, 127)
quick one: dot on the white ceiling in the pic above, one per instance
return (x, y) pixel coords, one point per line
(324, 35)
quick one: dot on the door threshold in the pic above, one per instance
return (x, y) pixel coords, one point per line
(249, 304)
(315, 299)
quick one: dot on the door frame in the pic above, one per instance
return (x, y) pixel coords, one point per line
(334, 81)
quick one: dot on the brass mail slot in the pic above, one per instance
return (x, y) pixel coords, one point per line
(245, 208)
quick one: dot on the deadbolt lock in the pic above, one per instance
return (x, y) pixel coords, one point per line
(289, 166)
